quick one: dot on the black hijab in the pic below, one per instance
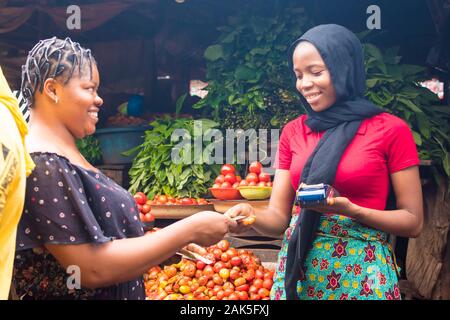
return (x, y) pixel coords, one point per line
(342, 53)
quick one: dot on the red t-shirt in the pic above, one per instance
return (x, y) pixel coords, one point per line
(382, 145)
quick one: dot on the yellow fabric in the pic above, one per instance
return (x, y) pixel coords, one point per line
(10, 102)
(15, 164)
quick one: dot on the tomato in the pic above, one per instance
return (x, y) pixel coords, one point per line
(228, 285)
(255, 167)
(249, 220)
(261, 184)
(243, 183)
(258, 283)
(232, 252)
(220, 179)
(236, 261)
(216, 185)
(224, 273)
(239, 282)
(224, 257)
(263, 292)
(203, 280)
(216, 290)
(210, 284)
(269, 184)
(185, 289)
(217, 253)
(234, 274)
(243, 287)
(220, 295)
(186, 201)
(225, 185)
(246, 259)
(259, 274)
(252, 177)
(189, 269)
(208, 271)
(254, 296)
(241, 252)
(249, 275)
(140, 198)
(149, 217)
(252, 184)
(223, 245)
(269, 274)
(230, 178)
(217, 279)
(227, 168)
(142, 217)
(268, 283)
(162, 199)
(218, 266)
(238, 178)
(233, 296)
(243, 295)
(170, 271)
(235, 185)
(228, 292)
(146, 208)
(264, 176)
(200, 265)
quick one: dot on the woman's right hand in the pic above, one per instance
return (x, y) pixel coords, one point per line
(209, 227)
(242, 209)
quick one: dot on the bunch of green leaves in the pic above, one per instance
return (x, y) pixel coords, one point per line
(247, 69)
(396, 88)
(154, 170)
(90, 149)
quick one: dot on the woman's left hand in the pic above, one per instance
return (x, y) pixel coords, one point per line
(337, 205)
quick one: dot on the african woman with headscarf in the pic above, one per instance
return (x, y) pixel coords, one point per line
(340, 250)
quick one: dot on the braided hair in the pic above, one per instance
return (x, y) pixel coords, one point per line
(53, 58)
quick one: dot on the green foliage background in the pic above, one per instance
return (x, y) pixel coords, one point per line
(250, 85)
(154, 172)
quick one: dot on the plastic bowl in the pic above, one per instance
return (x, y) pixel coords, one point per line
(255, 192)
(225, 193)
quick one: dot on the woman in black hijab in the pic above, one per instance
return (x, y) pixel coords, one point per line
(340, 250)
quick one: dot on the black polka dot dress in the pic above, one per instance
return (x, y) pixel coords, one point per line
(67, 204)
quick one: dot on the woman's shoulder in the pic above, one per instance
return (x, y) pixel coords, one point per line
(50, 164)
(387, 121)
(297, 125)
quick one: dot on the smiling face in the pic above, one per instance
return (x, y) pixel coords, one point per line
(79, 103)
(313, 77)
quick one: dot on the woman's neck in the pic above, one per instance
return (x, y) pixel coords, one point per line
(48, 134)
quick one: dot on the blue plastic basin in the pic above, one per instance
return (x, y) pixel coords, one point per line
(114, 141)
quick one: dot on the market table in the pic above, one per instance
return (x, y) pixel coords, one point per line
(266, 248)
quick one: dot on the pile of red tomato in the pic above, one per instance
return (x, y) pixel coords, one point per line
(144, 206)
(233, 275)
(169, 200)
(255, 177)
(227, 178)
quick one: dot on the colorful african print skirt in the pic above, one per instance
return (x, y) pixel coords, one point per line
(347, 261)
